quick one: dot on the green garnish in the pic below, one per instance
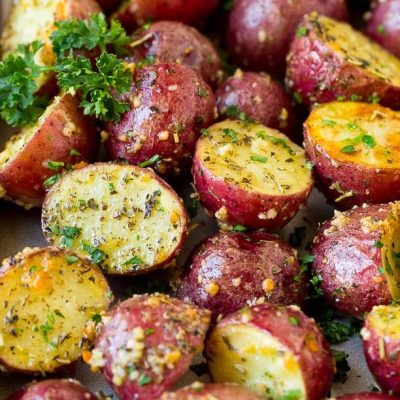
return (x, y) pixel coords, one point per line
(51, 180)
(55, 165)
(151, 161)
(301, 31)
(71, 259)
(201, 92)
(348, 149)
(258, 158)
(135, 261)
(96, 255)
(231, 134)
(96, 318)
(369, 141)
(144, 380)
(239, 228)
(74, 152)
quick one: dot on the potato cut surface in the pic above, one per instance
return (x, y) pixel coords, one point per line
(125, 218)
(356, 48)
(385, 320)
(251, 357)
(254, 158)
(49, 297)
(358, 133)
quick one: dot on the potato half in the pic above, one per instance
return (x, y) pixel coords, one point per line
(250, 175)
(329, 60)
(274, 350)
(355, 151)
(125, 218)
(49, 297)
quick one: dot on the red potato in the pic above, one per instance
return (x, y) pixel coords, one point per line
(169, 41)
(356, 258)
(147, 343)
(211, 391)
(329, 60)
(170, 104)
(133, 13)
(366, 396)
(384, 25)
(230, 271)
(260, 31)
(381, 341)
(251, 175)
(275, 350)
(53, 389)
(354, 149)
(62, 137)
(124, 218)
(260, 98)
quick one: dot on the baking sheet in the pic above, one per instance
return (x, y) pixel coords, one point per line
(20, 228)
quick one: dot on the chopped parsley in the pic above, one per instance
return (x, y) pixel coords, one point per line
(151, 161)
(258, 158)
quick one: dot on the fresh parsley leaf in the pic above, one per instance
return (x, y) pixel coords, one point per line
(151, 161)
(258, 158)
(51, 180)
(71, 259)
(55, 165)
(239, 228)
(348, 149)
(144, 380)
(96, 318)
(301, 31)
(368, 140)
(134, 261)
(231, 134)
(96, 255)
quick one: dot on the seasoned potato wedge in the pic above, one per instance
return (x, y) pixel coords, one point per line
(275, 350)
(355, 151)
(251, 175)
(62, 137)
(211, 391)
(381, 338)
(147, 343)
(356, 256)
(49, 298)
(329, 60)
(125, 218)
(53, 389)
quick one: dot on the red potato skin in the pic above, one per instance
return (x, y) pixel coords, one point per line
(53, 389)
(347, 261)
(260, 98)
(212, 391)
(80, 9)
(317, 366)
(277, 20)
(162, 109)
(243, 207)
(166, 319)
(176, 42)
(22, 177)
(369, 185)
(253, 258)
(384, 25)
(138, 12)
(319, 75)
(366, 396)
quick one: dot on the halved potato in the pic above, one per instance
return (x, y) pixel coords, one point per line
(248, 174)
(49, 297)
(274, 350)
(35, 157)
(329, 59)
(355, 150)
(125, 218)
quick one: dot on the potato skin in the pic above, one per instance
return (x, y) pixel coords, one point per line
(168, 328)
(260, 31)
(347, 259)
(60, 389)
(174, 105)
(214, 391)
(138, 12)
(172, 41)
(367, 396)
(319, 75)
(275, 320)
(384, 25)
(260, 98)
(64, 129)
(242, 268)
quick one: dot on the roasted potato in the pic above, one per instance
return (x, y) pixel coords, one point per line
(260, 31)
(171, 41)
(251, 175)
(275, 350)
(366, 396)
(381, 339)
(147, 343)
(354, 149)
(329, 60)
(133, 13)
(33, 158)
(124, 218)
(356, 258)
(49, 299)
(211, 391)
(230, 271)
(31, 20)
(260, 98)
(53, 389)
(384, 25)
(169, 105)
